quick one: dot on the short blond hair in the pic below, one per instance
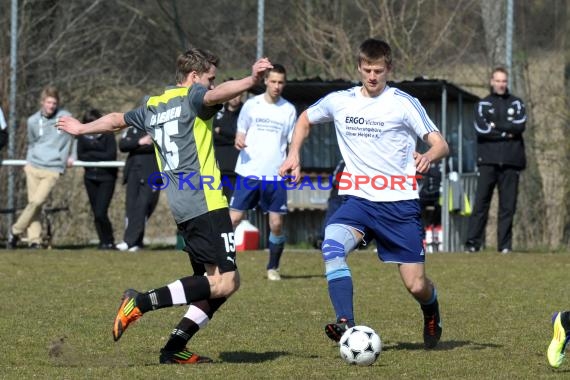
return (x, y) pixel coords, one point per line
(50, 91)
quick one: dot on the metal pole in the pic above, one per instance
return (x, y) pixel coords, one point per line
(260, 26)
(509, 41)
(12, 113)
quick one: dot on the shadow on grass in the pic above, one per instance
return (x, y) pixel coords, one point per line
(442, 346)
(293, 277)
(251, 357)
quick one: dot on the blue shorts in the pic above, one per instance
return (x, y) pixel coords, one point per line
(270, 196)
(396, 226)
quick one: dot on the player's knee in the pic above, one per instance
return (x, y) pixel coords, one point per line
(418, 287)
(339, 241)
(224, 285)
(276, 226)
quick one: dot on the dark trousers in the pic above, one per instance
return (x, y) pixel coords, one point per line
(507, 180)
(229, 178)
(141, 202)
(100, 194)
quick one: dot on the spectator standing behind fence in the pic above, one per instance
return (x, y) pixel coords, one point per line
(99, 181)
(3, 130)
(141, 198)
(265, 126)
(500, 121)
(47, 157)
(225, 128)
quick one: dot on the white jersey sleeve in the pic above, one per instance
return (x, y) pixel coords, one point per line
(322, 111)
(415, 115)
(244, 118)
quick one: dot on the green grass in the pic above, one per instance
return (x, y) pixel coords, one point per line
(496, 312)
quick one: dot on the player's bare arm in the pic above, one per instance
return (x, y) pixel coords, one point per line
(232, 88)
(292, 164)
(438, 149)
(112, 122)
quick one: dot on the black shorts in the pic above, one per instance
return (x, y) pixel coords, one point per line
(209, 239)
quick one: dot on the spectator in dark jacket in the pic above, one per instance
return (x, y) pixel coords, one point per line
(141, 197)
(500, 121)
(225, 128)
(99, 181)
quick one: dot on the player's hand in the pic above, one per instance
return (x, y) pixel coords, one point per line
(69, 125)
(422, 162)
(259, 67)
(239, 142)
(145, 140)
(70, 161)
(291, 168)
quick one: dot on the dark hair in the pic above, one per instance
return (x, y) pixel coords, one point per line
(372, 50)
(277, 68)
(91, 115)
(197, 60)
(499, 69)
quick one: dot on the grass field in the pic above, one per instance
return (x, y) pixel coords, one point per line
(496, 312)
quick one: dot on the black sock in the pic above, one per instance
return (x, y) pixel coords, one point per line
(181, 335)
(187, 328)
(430, 309)
(565, 321)
(196, 288)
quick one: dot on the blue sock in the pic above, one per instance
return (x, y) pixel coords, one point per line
(276, 246)
(340, 293)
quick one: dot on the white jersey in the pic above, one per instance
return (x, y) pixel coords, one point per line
(377, 138)
(268, 128)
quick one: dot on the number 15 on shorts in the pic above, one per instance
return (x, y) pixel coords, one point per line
(229, 241)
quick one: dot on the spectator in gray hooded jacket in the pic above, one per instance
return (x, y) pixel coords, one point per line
(47, 157)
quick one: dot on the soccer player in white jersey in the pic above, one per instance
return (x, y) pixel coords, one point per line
(264, 129)
(377, 128)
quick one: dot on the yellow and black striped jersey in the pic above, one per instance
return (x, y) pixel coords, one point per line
(181, 128)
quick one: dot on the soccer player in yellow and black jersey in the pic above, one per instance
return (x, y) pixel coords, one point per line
(180, 123)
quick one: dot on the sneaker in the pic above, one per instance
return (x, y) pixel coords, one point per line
(555, 353)
(125, 247)
(471, 249)
(432, 330)
(182, 357)
(35, 246)
(273, 275)
(127, 314)
(335, 330)
(12, 242)
(122, 246)
(505, 251)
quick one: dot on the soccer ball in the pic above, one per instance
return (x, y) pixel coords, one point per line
(360, 345)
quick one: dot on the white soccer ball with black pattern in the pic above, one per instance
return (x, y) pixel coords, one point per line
(360, 345)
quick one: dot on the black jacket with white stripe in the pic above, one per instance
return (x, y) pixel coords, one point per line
(500, 121)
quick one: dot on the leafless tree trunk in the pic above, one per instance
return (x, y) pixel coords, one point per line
(493, 16)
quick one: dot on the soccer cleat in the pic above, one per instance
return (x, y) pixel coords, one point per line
(273, 275)
(555, 353)
(127, 314)
(182, 357)
(335, 330)
(432, 330)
